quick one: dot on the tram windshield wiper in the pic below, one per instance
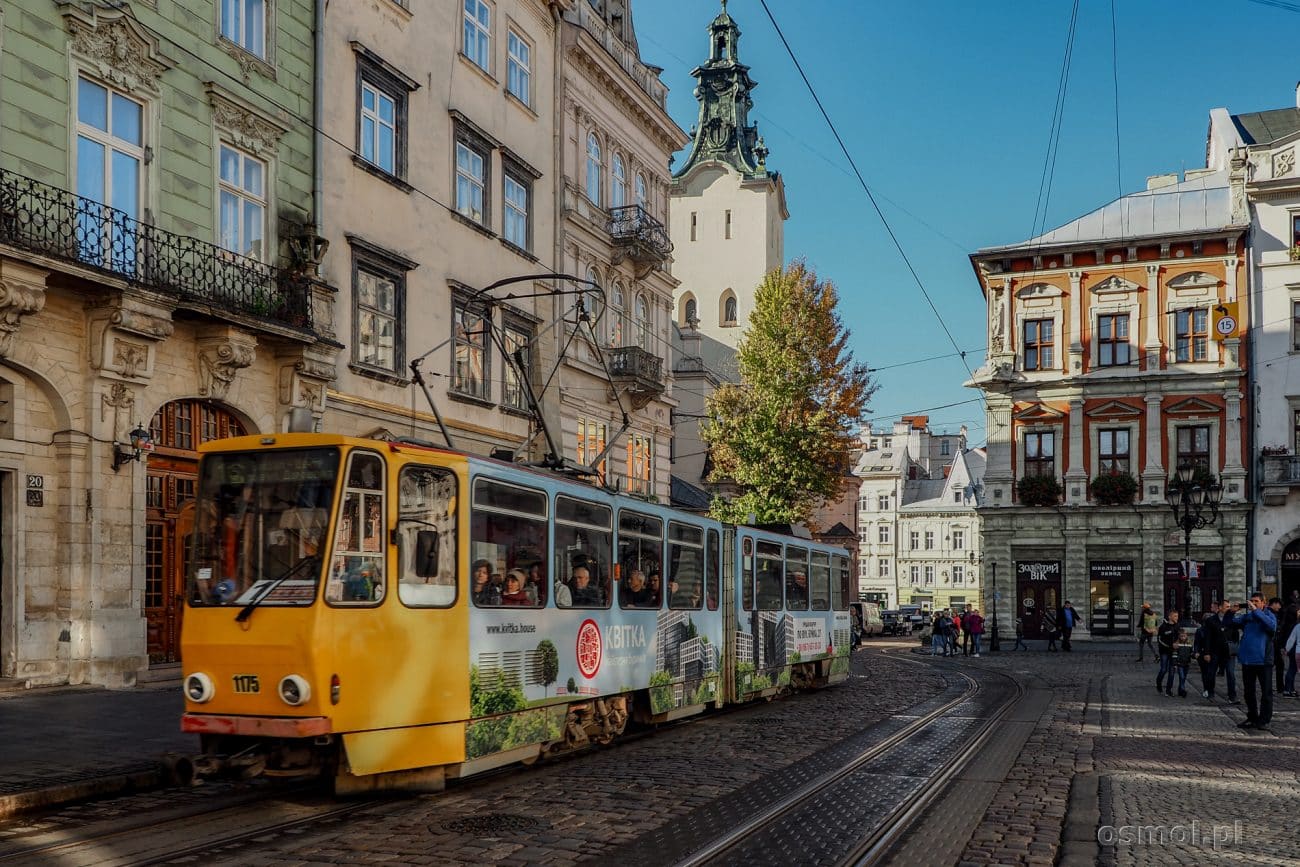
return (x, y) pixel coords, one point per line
(247, 610)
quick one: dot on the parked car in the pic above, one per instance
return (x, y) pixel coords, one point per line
(919, 619)
(896, 623)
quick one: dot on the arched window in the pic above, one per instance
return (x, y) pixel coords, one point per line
(593, 299)
(593, 169)
(690, 312)
(618, 192)
(615, 314)
(641, 198)
(729, 316)
(643, 322)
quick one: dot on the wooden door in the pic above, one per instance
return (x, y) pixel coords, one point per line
(171, 477)
(1035, 598)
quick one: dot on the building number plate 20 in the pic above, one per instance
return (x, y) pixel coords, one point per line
(246, 683)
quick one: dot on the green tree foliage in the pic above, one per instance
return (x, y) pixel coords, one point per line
(783, 435)
(548, 659)
(499, 696)
(661, 692)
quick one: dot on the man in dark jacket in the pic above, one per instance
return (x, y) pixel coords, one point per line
(1258, 627)
(1279, 664)
(1166, 638)
(1210, 647)
(1289, 618)
(1066, 619)
(1232, 633)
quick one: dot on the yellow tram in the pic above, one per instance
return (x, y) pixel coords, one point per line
(394, 614)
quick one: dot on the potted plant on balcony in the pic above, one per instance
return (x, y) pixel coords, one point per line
(1114, 489)
(1038, 490)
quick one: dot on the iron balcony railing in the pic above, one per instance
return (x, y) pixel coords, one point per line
(632, 224)
(1281, 469)
(635, 363)
(49, 221)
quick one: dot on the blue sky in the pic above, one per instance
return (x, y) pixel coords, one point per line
(946, 108)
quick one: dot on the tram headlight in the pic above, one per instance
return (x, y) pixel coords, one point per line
(294, 690)
(199, 688)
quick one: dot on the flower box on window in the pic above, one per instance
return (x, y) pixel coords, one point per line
(1038, 491)
(1114, 489)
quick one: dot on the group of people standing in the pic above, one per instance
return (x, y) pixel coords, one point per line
(964, 628)
(1255, 633)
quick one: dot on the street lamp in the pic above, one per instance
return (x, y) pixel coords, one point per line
(1189, 500)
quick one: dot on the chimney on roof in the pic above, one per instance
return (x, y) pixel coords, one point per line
(1156, 182)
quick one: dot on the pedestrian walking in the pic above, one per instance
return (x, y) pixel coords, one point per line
(1166, 639)
(1066, 619)
(1020, 633)
(1279, 664)
(1292, 649)
(1049, 626)
(954, 632)
(938, 641)
(1205, 647)
(967, 639)
(1289, 620)
(1183, 652)
(1258, 627)
(1147, 634)
(1232, 634)
(974, 624)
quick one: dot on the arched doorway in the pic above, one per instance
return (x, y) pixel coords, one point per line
(177, 429)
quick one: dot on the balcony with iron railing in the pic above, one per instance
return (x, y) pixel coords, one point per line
(48, 221)
(639, 372)
(639, 237)
(1278, 475)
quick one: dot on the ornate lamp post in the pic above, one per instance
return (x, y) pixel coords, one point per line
(1194, 506)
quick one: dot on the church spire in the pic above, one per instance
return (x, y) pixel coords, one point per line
(723, 132)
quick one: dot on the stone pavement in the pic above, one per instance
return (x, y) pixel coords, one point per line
(59, 745)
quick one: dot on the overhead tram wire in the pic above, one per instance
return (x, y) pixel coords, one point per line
(871, 196)
(1039, 225)
(1278, 4)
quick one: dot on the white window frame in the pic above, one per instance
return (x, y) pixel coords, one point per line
(618, 182)
(929, 575)
(916, 575)
(883, 534)
(515, 223)
(617, 314)
(929, 540)
(959, 539)
(365, 266)
(242, 197)
(472, 27)
(641, 192)
(472, 182)
(914, 540)
(958, 575)
(644, 321)
(595, 168)
(882, 567)
(519, 68)
(235, 12)
(375, 117)
(640, 463)
(592, 437)
(111, 144)
(882, 502)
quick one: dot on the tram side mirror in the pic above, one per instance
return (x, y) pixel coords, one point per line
(426, 553)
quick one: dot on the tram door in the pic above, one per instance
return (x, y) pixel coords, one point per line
(171, 477)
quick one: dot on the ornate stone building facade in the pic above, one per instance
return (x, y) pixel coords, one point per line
(1103, 377)
(157, 274)
(615, 139)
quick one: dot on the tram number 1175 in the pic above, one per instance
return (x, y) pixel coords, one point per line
(246, 683)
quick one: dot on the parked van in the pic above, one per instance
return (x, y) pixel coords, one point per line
(866, 620)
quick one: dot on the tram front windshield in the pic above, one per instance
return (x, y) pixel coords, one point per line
(260, 526)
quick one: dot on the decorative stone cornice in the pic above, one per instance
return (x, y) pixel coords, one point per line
(245, 127)
(22, 293)
(112, 44)
(124, 333)
(221, 357)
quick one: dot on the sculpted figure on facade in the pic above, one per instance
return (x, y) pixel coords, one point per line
(220, 360)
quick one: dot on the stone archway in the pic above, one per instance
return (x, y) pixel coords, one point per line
(178, 428)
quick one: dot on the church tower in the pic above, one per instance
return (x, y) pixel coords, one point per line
(727, 211)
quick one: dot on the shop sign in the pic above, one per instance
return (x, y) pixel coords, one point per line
(1111, 570)
(1039, 570)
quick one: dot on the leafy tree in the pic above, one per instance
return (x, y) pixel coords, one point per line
(571, 687)
(548, 662)
(783, 435)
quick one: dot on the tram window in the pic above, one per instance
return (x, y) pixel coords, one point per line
(713, 571)
(747, 575)
(840, 584)
(584, 541)
(426, 537)
(820, 580)
(685, 566)
(640, 556)
(796, 578)
(768, 578)
(356, 575)
(507, 546)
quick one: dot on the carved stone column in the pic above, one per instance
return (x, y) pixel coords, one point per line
(1153, 473)
(1076, 324)
(1076, 474)
(223, 351)
(1234, 473)
(22, 293)
(1153, 316)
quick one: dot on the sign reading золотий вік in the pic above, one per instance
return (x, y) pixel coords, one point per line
(1039, 570)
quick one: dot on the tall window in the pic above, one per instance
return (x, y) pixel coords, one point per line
(643, 326)
(592, 436)
(1191, 334)
(1040, 453)
(516, 338)
(695, 222)
(378, 128)
(379, 294)
(1112, 340)
(958, 540)
(618, 190)
(593, 169)
(882, 568)
(929, 540)
(726, 225)
(914, 540)
(1038, 344)
(883, 535)
(110, 157)
(471, 181)
(1113, 450)
(616, 314)
(516, 193)
(242, 195)
(478, 33)
(1295, 324)
(729, 313)
(640, 191)
(1194, 446)
(882, 502)
(469, 334)
(243, 22)
(519, 74)
(916, 574)
(929, 576)
(958, 575)
(1295, 431)
(944, 447)
(640, 464)
(692, 311)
